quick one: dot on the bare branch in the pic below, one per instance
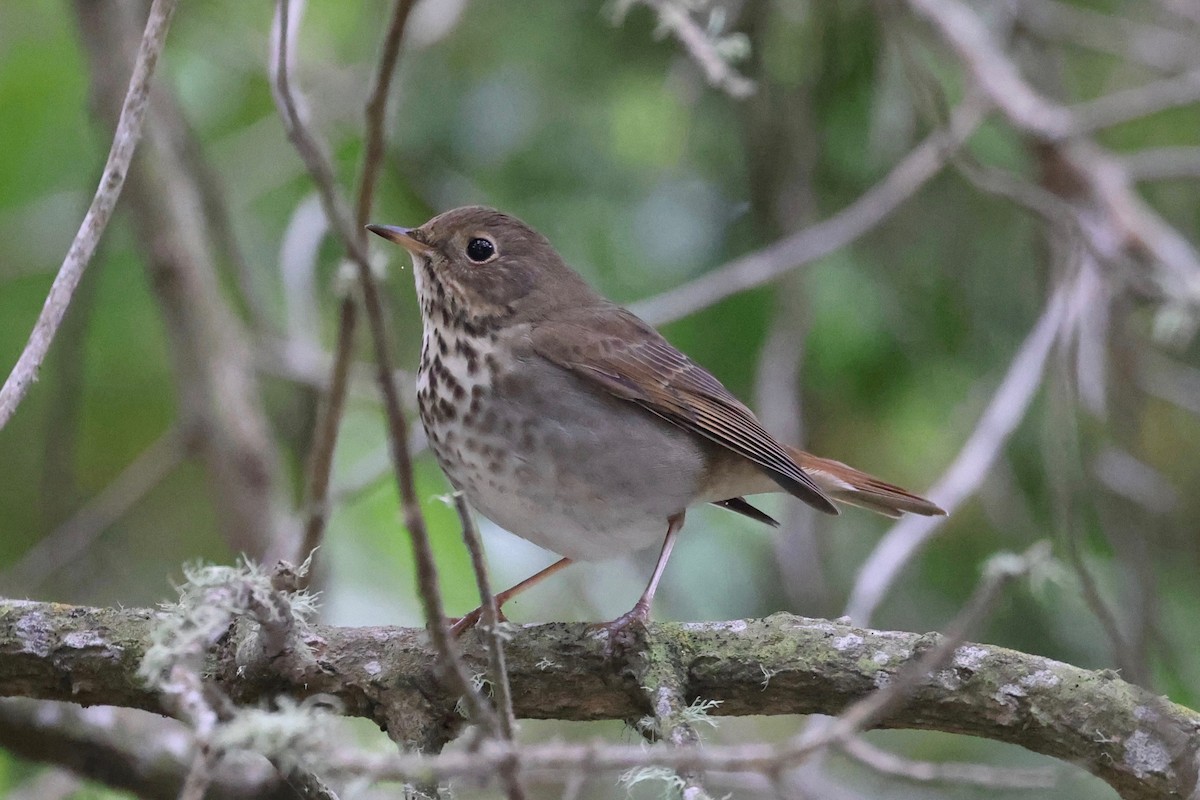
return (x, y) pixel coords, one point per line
(144, 754)
(312, 151)
(676, 18)
(823, 238)
(1154, 46)
(996, 75)
(1134, 103)
(1163, 164)
(221, 415)
(125, 141)
(376, 112)
(1137, 227)
(981, 775)
(969, 469)
(491, 615)
(324, 441)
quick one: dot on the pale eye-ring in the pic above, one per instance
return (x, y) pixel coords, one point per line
(480, 249)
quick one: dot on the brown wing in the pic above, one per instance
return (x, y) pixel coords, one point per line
(614, 349)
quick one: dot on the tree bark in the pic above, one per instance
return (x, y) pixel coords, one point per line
(1143, 745)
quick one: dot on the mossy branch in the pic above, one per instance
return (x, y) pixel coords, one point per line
(1142, 744)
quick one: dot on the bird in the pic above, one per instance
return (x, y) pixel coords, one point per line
(570, 422)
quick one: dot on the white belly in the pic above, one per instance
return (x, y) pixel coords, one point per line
(573, 470)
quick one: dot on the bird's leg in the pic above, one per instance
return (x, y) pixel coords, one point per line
(464, 624)
(640, 612)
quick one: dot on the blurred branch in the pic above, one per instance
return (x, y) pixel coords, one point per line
(329, 414)
(71, 540)
(126, 749)
(60, 490)
(1136, 102)
(822, 238)
(981, 775)
(324, 442)
(1163, 49)
(1143, 745)
(1072, 495)
(49, 784)
(1137, 228)
(701, 45)
(221, 415)
(125, 141)
(970, 468)
(376, 112)
(1163, 164)
(1170, 380)
(319, 166)
(312, 151)
(217, 218)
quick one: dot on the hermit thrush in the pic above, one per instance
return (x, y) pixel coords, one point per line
(572, 423)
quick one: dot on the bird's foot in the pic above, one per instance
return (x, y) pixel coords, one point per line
(622, 631)
(464, 623)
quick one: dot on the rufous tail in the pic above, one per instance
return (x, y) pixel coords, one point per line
(848, 485)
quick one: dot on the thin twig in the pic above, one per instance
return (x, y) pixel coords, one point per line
(1136, 102)
(320, 168)
(822, 238)
(509, 770)
(981, 775)
(491, 615)
(1064, 460)
(677, 18)
(304, 783)
(125, 141)
(329, 413)
(311, 150)
(376, 112)
(324, 442)
(1154, 46)
(969, 469)
(1163, 164)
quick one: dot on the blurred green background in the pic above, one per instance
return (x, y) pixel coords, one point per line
(604, 137)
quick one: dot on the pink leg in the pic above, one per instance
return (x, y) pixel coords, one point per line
(464, 624)
(640, 612)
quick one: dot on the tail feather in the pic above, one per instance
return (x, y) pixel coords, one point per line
(848, 485)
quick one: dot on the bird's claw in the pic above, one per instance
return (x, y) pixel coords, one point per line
(460, 625)
(622, 631)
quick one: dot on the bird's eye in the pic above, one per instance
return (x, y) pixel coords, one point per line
(480, 250)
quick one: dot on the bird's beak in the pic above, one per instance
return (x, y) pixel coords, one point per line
(403, 237)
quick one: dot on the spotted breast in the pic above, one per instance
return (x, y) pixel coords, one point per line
(505, 426)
